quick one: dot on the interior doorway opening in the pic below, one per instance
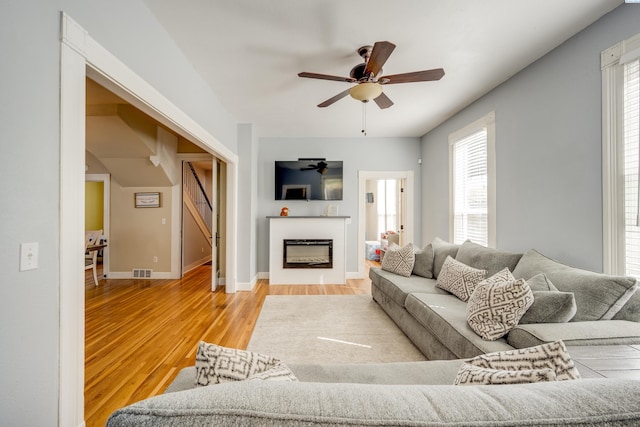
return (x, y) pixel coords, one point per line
(384, 208)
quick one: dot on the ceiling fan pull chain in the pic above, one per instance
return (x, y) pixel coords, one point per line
(364, 118)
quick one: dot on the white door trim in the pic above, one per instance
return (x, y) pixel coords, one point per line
(81, 56)
(363, 176)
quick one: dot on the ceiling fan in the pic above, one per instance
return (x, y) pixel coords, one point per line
(321, 167)
(366, 75)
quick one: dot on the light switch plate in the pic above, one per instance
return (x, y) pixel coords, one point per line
(28, 256)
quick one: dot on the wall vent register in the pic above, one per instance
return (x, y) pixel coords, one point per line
(307, 253)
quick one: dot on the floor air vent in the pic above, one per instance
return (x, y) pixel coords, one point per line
(142, 273)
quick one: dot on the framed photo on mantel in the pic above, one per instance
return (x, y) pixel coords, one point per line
(147, 200)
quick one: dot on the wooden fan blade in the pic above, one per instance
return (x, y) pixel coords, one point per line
(334, 99)
(417, 76)
(379, 55)
(326, 77)
(383, 101)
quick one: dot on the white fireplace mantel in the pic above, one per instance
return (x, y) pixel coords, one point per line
(308, 227)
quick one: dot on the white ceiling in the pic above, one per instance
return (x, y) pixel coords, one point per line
(250, 52)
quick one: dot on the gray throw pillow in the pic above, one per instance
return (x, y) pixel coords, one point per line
(484, 258)
(441, 250)
(598, 296)
(550, 307)
(540, 282)
(424, 262)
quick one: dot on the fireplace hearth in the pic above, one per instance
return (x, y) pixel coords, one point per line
(307, 253)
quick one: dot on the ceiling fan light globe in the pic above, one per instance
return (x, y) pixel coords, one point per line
(365, 91)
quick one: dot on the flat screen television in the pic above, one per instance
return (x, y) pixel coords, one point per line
(308, 179)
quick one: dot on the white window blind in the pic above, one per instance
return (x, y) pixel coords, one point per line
(631, 137)
(470, 188)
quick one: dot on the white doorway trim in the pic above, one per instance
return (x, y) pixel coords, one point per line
(363, 177)
(81, 56)
(105, 179)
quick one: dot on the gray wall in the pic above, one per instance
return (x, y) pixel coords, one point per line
(548, 148)
(29, 169)
(358, 154)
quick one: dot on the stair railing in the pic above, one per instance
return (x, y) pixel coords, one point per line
(195, 190)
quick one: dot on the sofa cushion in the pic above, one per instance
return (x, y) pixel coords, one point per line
(459, 279)
(594, 332)
(216, 364)
(550, 307)
(444, 316)
(598, 296)
(483, 258)
(497, 305)
(631, 310)
(475, 375)
(441, 250)
(399, 260)
(540, 282)
(424, 262)
(398, 287)
(553, 355)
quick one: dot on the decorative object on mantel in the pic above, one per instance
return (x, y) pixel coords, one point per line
(332, 210)
(284, 211)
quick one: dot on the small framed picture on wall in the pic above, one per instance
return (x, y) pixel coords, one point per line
(147, 200)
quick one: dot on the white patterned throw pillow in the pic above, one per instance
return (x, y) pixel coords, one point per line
(469, 374)
(459, 278)
(497, 305)
(216, 364)
(552, 355)
(399, 260)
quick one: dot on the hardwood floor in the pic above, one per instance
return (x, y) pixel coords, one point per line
(140, 333)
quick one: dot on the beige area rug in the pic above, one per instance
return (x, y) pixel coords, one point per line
(329, 329)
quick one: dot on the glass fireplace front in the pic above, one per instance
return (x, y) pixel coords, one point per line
(307, 253)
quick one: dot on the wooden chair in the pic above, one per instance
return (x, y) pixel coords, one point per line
(91, 238)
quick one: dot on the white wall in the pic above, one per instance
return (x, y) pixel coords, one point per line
(358, 154)
(29, 167)
(548, 148)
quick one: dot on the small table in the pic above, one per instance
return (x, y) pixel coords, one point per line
(607, 361)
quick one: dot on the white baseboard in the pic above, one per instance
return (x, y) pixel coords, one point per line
(349, 275)
(195, 264)
(247, 286)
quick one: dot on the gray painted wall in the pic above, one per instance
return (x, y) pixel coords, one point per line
(29, 169)
(358, 154)
(548, 148)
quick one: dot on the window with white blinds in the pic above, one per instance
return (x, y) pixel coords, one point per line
(631, 137)
(621, 157)
(471, 179)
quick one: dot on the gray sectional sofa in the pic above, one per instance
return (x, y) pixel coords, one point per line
(607, 308)
(392, 394)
